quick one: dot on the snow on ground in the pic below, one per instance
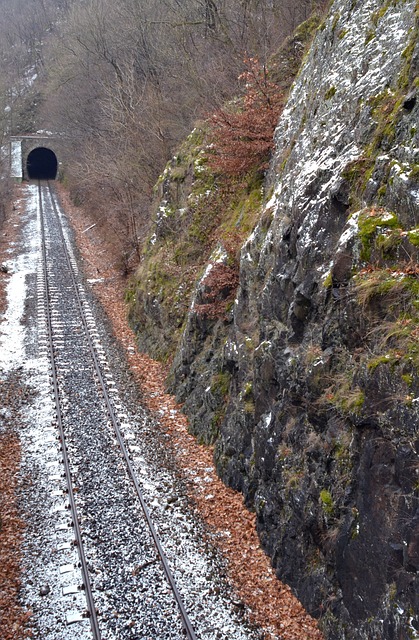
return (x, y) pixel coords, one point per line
(19, 349)
(47, 546)
(12, 329)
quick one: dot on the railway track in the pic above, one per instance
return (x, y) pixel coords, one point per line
(114, 534)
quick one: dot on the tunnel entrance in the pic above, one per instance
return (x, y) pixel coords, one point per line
(42, 164)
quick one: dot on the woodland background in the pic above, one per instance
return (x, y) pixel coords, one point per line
(124, 82)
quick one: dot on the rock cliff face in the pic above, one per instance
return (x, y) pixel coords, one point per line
(309, 387)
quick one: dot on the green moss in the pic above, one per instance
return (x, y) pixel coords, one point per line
(407, 378)
(221, 384)
(286, 155)
(328, 622)
(392, 591)
(386, 110)
(370, 36)
(330, 93)
(387, 359)
(197, 137)
(344, 395)
(369, 221)
(247, 396)
(260, 504)
(229, 307)
(377, 15)
(129, 295)
(358, 173)
(408, 52)
(413, 236)
(248, 390)
(353, 402)
(398, 295)
(249, 407)
(327, 502)
(336, 19)
(407, 56)
(328, 281)
(342, 33)
(216, 421)
(384, 283)
(306, 30)
(292, 479)
(382, 191)
(210, 212)
(388, 242)
(414, 173)
(178, 173)
(243, 211)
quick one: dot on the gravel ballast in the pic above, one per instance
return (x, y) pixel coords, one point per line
(132, 595)
(207, 533)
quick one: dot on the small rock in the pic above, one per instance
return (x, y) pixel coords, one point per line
(44, 590)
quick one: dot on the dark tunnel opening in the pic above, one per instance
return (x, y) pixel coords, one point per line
(42, 164)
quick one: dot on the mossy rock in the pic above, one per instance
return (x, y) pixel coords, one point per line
(414, 237)
(369, 222)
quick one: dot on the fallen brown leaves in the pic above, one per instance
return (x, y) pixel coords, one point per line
(13, 618)
(270, 603)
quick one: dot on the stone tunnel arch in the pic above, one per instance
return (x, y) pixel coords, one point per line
(42, 164)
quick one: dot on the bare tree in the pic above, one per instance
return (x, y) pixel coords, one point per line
(127, 80)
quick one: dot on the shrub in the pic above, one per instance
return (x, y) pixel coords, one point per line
(242, 134)
(220, 288)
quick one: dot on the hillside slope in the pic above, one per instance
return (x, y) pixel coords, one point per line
(308, 382)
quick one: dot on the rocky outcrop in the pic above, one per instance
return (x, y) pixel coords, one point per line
(309, 385)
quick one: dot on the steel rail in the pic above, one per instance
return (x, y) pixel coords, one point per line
(186, 623)
(92, 614)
